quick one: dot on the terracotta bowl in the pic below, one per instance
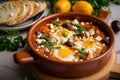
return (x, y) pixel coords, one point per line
(67, 69)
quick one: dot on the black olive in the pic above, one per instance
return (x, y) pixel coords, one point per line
(69, 44)
(79, 34)
(107, 42)
(37, 32)
(115, 25)
(64, 25)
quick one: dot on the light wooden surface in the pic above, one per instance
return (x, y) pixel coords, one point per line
(103, 74)
(115, 71)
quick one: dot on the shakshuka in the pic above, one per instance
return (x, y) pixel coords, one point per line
(70, 40)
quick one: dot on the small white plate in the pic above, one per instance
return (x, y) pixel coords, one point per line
(25, 24)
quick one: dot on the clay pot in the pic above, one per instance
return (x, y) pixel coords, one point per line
(68, 69)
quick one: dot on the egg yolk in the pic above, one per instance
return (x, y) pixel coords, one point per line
(88, 44)
(63, 33)
(65, 52)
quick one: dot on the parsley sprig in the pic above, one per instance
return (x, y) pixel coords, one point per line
(81, 52)
(13, 43)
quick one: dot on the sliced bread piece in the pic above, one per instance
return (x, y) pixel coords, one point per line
(42, 6)
(26, 9)
(23, 11)
(8, 11)
(36, 6)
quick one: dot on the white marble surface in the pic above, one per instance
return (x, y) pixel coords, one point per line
(9, 70)
(115, 15)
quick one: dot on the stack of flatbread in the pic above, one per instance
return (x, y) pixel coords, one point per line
(17, 11)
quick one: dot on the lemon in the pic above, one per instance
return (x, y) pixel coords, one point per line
(83, 7)
(62, 6)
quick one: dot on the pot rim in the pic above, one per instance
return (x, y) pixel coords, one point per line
(70, 62)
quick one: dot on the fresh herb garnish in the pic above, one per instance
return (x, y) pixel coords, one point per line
(57, 47)
(44, 36)
(16, 41)
(52, 3)
(69, 25)
(64, 34)
(12, 32)
(48, 44)
(81, 52)
(98, 4)
(3, 43)
(80, 29)
(56, 22)
(77, 25)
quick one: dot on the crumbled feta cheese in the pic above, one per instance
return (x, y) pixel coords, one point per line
(103, 44)
(46, 49)
(76, 59)
(87, 23)
(37, 49)
(57, 19)
(90, 56)
(74, 27)
(39, 46)
(51, 26)
(81, 59)
(92, 32)
(98, 47)
(98, 38)
(83, 31)
(87, 33)
(82, 23)
(42, 46)
(94, 49)
(39, 35)
(39, 41)
(75, 21)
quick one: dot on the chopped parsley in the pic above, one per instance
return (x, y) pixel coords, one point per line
(13, 43)
(80, 29)
(81, 52)
(64, 34)
(56, 22)
(77, 25)
(68, 25)
(44, 36)
(48, 44)
(57, 47)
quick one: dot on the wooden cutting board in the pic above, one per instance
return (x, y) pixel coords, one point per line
(103, 74)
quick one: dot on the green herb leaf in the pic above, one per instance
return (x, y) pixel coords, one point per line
(98, 4)
(58, 47)
(17, 42)
(12, 32)
(44, 36)
(81, 52)
(64, 34)
(55, 22)
(52, 3)
(13, 46)
(69, 25)
(80, 29)
(48, 44)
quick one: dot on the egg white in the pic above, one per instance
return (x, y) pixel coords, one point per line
(60, 39)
